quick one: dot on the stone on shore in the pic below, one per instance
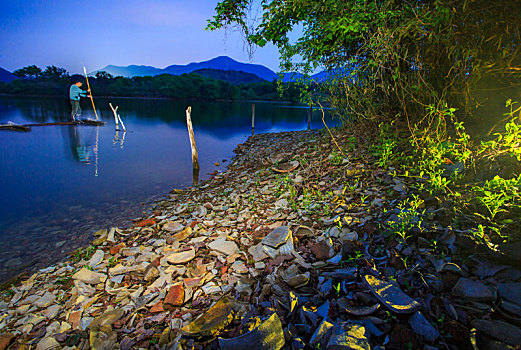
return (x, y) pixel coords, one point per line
(475, 290)
(224, 246)
(182, 257)
(90, 277)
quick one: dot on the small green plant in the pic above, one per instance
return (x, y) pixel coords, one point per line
(335, 158)
(409, 217)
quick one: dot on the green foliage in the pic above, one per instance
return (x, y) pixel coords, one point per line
(409, 217)
(28, 72)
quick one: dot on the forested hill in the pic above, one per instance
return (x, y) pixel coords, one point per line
(233, 77)
(233, 86)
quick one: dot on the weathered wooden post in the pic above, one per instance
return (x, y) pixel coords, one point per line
(115, 111)
(195, 158)
(252, 119)
(310, 112)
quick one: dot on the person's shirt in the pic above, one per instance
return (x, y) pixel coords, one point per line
(75, 92)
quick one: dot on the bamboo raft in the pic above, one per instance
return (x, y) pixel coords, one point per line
(27, 127)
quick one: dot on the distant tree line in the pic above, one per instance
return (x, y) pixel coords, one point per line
(55, 81)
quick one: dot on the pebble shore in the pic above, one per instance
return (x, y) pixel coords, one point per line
(289, 248)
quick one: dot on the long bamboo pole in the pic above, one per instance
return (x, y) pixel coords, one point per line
(90, 93)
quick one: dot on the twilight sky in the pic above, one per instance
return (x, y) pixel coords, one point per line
(95, 33)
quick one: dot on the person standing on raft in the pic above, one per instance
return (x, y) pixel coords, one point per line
(75, 93)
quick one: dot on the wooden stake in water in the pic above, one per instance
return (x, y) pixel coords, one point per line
(115, 111)
(90, 93)
(252, 119)
(117, 118)
(195, 158)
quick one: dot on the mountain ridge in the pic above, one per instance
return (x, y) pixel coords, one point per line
(218, 63)
(6, 76)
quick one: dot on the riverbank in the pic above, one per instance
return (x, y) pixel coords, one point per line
(298, 245)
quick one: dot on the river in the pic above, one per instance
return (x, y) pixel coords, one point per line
(59, 184)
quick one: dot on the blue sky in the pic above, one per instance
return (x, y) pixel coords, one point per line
(72, 34)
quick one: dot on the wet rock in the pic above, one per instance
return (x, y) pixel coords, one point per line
(182, 257)
(212, 321)
(352, 338)
(277, 237)
(224, 246)
(391, 296)
(89, 277)
(267, 336)
(500, 330)
(478, 291)
(421, 326)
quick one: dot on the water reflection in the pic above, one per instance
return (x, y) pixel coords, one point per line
(117, 139)
(83, 144)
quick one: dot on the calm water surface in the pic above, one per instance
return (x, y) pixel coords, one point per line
(59, 184)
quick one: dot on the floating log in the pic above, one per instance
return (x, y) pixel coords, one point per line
(15, 127)
(27, 127)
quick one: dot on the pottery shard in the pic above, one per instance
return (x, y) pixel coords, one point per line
(267, 336)
(107, 318)
(257, 252)
(391, 296)
(323, 250)
(5, 339)
(224, 246)
(421, 326)
(182, 257)
(96, 259)
(175, 296)
(503, 331)
(475, 290)
(89, 277)
(46, 300)
(277, 237)
(212, 321)
(351, 338)
(48, 343)
(510, 291)
(173, 227)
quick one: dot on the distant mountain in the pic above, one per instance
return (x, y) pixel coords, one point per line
(231, 76)
(219, 63)
(6, 76)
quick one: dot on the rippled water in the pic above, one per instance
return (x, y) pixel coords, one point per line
(59, 184)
